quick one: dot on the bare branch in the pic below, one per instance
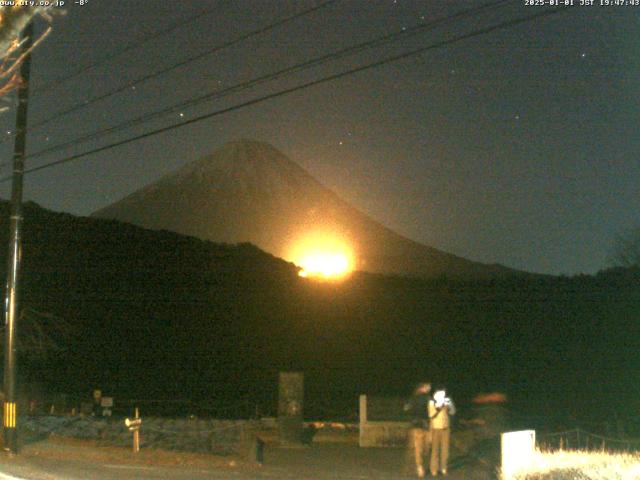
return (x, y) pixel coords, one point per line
(13, 20)
(18, 61)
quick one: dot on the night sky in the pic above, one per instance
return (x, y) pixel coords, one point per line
(520, 146)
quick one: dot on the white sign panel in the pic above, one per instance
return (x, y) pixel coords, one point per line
(518, 449)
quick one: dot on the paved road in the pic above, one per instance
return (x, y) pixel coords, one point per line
(318, 462)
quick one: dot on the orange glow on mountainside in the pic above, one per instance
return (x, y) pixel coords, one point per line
(322, 255)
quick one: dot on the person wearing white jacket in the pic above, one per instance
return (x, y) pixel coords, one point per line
(440, 409)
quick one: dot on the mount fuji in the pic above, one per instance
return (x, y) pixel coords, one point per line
(248, 191)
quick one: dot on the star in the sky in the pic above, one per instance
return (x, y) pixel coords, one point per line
(342, 142)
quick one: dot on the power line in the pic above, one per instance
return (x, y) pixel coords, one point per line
(300, 87)
(329, 78)
(378, 41)
(126, 49)
(175, 66)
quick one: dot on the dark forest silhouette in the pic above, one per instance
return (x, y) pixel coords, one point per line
(159, 315)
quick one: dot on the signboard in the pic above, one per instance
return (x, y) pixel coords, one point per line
(290, 394)
(133, 424)
(518, 449)
(290, 404)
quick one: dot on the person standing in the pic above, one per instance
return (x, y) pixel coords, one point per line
(419, 439)
(440, 409)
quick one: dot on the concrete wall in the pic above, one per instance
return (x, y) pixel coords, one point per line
(380, 433)
(383, 434)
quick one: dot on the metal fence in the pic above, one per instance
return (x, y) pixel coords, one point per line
(579, 439)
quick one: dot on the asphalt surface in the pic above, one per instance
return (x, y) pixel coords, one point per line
(317, 462)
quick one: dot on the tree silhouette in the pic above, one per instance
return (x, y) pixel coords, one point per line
(41, 334)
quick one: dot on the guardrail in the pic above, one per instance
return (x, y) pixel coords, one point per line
(579, 439)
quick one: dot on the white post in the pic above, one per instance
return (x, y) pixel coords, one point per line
(134, 427)
(363, 418)
(136, 434)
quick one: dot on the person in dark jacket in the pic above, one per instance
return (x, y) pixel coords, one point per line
(419, 441)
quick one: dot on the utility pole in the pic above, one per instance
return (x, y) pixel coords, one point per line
(15, 252)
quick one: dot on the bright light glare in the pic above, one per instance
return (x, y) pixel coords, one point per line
(322, 254)
(325, 265)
